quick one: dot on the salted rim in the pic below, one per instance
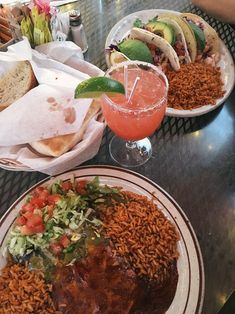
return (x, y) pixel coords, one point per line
(158, 104)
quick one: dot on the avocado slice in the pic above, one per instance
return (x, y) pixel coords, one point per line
(161, 29)
(199, 35)
(135, 49)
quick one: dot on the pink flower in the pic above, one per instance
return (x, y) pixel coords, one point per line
(42, 5)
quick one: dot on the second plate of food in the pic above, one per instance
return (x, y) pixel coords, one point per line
(108, 240)
(191, 42)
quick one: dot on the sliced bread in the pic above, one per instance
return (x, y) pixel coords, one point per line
(16, 83)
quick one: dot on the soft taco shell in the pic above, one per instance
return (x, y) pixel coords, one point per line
(211, 36)
(188, 33)
(178, 31)
(160, 42)
(59, 145)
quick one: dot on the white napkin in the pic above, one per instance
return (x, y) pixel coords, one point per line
(72, 55)
(42, 112)
(18, 52)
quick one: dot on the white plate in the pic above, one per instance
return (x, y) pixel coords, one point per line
(190, 288)
(122, 29)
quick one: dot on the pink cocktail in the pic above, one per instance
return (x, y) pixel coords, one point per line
(136, 115)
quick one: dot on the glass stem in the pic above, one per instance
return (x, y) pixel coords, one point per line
(130, 144)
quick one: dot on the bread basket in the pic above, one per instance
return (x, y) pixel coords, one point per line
(22, 157)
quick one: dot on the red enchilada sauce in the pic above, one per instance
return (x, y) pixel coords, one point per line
(103, 284)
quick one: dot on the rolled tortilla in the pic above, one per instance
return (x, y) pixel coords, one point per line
(160, 43)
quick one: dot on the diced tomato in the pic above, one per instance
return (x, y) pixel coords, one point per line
(28, 207)
(66, 186)
(37, 202)
(26, 230)
(39, 189)
(81, 186)
(54, 198)
(34, 220)
(21, 221)
(152, 46)
(56, 248)
(50, 209)
(41, 193)
(64, 241)
(38, 229)
(28, 215)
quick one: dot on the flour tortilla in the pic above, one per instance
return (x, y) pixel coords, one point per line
(188, 33)
(212, 38)
(160, 43)
(178, 31)
(59, 145)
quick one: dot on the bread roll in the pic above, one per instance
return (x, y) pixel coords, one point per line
(59, 145)
(16, 83)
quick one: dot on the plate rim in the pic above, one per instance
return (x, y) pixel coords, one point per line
(201, 284)
(171, 112)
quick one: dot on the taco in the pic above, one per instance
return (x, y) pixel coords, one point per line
(179, 44)
(144, 46)
(207, 40)
(162, 52)
(187, 31)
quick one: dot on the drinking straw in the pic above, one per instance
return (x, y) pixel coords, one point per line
(133, 88)
(126, 80)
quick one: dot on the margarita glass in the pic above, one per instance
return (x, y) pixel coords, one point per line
(137, 114)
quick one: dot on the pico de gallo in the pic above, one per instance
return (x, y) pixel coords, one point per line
(59, 219)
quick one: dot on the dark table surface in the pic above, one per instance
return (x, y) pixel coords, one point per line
(193, 158)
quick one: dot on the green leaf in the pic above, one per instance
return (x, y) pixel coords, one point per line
(138, 23)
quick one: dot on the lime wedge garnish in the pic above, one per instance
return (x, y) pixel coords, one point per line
(94, 87)
(117, 57)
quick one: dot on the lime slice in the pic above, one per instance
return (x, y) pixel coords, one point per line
(117, 57)
(94, 87)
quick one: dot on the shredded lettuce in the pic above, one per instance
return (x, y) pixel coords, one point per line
(73, 215)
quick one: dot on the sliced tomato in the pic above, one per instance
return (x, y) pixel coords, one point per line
(37, 202)
(34, 220)
(53, 198)
(56, 248)
(81, 186)
(21, 221)
(64, 241)
(28, 207)
(66, 186)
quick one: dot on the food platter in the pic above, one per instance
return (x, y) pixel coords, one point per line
(190, 288)
(121, 30)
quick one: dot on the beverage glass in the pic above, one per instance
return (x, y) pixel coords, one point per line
(134, 117)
